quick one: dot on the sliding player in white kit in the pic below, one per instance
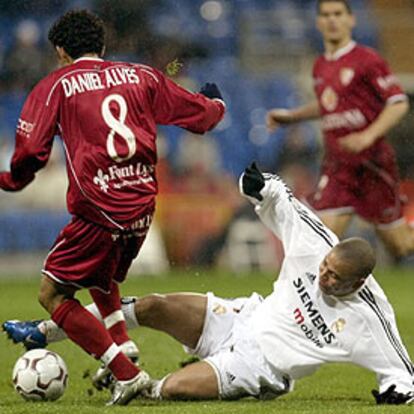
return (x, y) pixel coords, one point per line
(326, 307)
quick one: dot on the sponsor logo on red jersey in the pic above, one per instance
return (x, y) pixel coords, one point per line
(24, 127)
(352, 119)
(125, 176)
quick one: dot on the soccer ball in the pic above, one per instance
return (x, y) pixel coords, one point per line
(40, 375)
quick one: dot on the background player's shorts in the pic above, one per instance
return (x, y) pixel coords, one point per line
(370, 191)
(227, 345)
(89, 256)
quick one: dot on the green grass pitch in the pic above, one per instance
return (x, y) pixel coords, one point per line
(333, 389)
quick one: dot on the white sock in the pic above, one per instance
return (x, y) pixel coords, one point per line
(54, 334)
(156, 387)
(93, 309)
(128, 309)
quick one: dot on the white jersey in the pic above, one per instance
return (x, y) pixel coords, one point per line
(298, 327)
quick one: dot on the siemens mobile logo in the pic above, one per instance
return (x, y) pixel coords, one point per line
(319, 327)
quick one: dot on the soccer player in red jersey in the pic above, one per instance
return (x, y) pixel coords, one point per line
(358, 100)
(106, 115)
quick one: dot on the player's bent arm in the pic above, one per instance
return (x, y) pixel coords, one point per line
(299, 230)
(306, 112)
(34, 138)
(278, 116)
(174, 105)
(390, 116)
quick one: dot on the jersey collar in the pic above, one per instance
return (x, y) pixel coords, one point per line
(88, 58)
(341, 52)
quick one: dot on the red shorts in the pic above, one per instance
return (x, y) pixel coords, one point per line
(86, 255)
(369, 190)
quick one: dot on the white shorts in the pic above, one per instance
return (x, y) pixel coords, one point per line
(227, 345)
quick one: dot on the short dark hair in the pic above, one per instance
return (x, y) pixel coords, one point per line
(358, 255)
(78, 32)
(346, 3)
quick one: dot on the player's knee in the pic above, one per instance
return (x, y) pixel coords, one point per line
(49, 299)
(175, 388)
(44, 299)
(149, 307)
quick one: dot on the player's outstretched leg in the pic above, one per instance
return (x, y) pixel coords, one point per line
(180, 315)
(197, 381)
(39, 333)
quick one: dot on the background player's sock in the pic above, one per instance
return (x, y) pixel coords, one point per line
(109, 306)
(86, 331)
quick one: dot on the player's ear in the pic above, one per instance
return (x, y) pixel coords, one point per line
(318, 22)
(60, 51)
(64, 58)
(353, 21)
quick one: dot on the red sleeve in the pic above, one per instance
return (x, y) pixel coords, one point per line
(36, 128)
(383, 81)
(174, 105)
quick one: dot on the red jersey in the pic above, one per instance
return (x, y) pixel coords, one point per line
(106, 115)
(353, 86)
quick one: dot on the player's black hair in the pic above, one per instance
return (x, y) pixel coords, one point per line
(78, 32)
(358, 254)
(346, 3)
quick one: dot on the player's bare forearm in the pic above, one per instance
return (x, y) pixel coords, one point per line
(306, 112)
(279, 117)
(387, 119)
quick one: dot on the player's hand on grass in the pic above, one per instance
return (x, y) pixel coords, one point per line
(252, 181)
(356, 142)
(211, 90)
(276, 118)
(390, 396)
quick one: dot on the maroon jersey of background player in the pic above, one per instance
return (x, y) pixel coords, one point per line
(106, 114)
(352, 89)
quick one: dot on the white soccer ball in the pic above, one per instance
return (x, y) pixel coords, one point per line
(40, 375)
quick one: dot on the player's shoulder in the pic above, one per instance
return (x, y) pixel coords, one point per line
(44, 89)
(142, 69)
(367, 54)
(319, 60)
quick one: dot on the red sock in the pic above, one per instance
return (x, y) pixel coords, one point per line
(87, 332)
(109, 305)
(124, 367)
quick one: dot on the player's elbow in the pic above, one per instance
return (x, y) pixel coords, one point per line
(403, 107)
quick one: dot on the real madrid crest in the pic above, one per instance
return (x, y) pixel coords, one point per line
(338, 326)
(219, 309)
(329, 99)
(346, 75)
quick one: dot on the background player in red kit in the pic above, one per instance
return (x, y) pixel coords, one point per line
(106, 115)
(358, 100)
